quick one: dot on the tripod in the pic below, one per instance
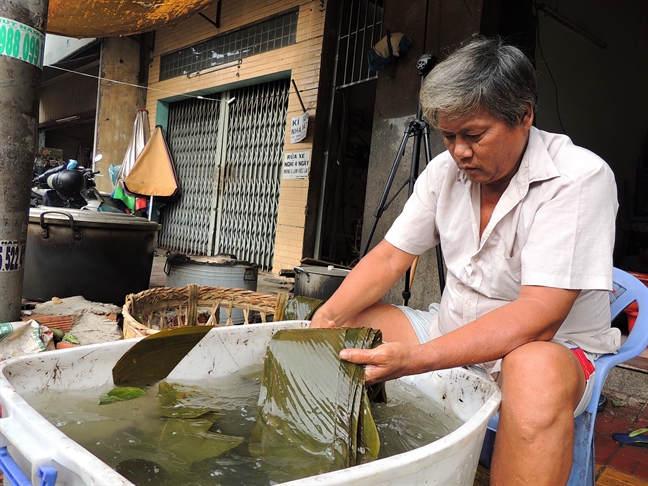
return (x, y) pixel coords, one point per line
(418, 129)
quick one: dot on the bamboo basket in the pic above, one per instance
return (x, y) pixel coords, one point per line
(156, 309)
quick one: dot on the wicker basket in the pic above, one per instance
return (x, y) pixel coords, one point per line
(153, 310)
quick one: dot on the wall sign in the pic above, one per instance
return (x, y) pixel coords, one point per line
(21, 42)
(296, 165)
(299, 127)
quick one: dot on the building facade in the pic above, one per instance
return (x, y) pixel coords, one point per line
(226, 98)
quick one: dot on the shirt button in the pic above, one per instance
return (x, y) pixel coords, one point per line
(470, 302)
(476, 259)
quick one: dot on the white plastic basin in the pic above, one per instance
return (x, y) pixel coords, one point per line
(34, 442)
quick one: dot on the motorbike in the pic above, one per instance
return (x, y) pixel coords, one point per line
(71, 186)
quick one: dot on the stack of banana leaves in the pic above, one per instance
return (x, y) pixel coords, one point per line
(314, 408)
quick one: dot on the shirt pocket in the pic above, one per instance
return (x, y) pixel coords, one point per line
(506, 273)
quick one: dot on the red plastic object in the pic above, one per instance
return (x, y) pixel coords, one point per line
(632, 310)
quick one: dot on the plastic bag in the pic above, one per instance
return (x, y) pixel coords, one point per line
(24, 337)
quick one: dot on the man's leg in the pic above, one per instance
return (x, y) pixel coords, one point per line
(390, 320)
(541, 382)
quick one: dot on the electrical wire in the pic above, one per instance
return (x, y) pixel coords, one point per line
(173, 93)
(130, 84)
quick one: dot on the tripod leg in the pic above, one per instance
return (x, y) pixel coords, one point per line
(414, 170)
(390, 180)
(439, 253)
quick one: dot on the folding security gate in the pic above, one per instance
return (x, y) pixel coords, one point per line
(228, 160)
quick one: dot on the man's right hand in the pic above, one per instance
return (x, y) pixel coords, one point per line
(321, 321)
(369, 280)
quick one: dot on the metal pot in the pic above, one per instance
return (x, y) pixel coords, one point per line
(101, 256)
(218, 271)
(318, 282)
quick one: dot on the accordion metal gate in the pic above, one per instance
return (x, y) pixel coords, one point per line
(228, 161)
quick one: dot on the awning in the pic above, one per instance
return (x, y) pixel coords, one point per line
(106, 18)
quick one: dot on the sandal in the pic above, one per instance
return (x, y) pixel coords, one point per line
(637, 437)
(601, 403)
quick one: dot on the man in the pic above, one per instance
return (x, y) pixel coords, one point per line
(526, 221)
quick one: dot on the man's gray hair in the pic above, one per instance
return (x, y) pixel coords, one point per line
(484, 74)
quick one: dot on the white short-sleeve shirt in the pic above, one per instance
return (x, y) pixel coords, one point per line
(554, 226)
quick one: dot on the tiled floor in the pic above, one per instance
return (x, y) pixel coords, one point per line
(622, 414)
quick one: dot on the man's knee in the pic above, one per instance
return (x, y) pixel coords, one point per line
(391, 321)
(540, 385)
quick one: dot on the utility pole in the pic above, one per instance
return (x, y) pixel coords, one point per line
(22, 39)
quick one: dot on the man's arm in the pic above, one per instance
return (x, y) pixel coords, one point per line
(365, 285)
(535, 315)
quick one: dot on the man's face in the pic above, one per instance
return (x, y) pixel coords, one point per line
(485, 148)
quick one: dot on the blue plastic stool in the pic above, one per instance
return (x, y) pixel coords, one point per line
(626, 290)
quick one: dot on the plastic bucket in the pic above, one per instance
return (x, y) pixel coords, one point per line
(34, 442)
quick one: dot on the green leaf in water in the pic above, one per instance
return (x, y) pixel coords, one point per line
(184, 402)
(142, 471)
(121, 394)
(168, 395)
(191, 441)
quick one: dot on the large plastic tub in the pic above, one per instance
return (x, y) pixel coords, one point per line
(35, 443)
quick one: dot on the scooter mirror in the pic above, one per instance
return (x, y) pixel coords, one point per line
(97, 157)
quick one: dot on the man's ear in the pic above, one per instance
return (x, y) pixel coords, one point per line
(527, 119)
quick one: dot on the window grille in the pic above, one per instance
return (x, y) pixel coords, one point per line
(360, 29)
(265, 36)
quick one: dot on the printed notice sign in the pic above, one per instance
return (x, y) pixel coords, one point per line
(298, 128)
(296, 165)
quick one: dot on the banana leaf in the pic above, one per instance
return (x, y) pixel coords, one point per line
(184, 402)
(301, 308)
(121, 394)
(191, 440)
(184, 431)
(154, 357)
(314, 415)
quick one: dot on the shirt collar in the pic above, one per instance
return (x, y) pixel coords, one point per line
(536, 165)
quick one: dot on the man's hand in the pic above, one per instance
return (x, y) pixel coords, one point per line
(386, 362)
(321, 320)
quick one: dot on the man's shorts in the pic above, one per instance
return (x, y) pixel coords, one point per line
(425, 325)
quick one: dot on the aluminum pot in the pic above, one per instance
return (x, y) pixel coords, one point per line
(100, 256)
(318, 282)
(218, 271)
